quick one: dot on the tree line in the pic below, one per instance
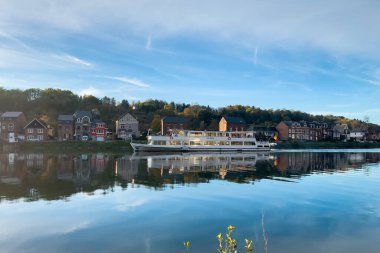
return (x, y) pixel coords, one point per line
(47, 104)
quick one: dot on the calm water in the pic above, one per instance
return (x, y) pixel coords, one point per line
(285, 201)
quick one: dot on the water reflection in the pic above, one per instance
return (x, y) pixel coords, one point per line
(47, 176)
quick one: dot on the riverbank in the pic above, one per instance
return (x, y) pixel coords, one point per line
(70, 147)
(125, 147)
(326, 145)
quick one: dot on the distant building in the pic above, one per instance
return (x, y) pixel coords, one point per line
(65, 127)
(232, 124)
(341, 132)
(168, 123)
(36, 130)
(82, 125)
(127, 126)
(268, 132)
(304, 131)
(358, 134)
(12, 126)
(98, 130)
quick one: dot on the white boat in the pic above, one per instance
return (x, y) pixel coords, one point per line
(195, 141)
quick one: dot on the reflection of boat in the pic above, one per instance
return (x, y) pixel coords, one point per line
(190, 141)
(203, 161)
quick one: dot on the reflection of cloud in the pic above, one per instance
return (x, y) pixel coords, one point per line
(122, 207)
(75, 227)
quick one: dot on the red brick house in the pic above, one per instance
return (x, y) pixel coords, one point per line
(12, 126)
(36, 131)
(232, 124)
(305, 131)
(65, 127)
(168, 123)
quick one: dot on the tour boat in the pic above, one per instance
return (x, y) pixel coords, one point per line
(195, 141)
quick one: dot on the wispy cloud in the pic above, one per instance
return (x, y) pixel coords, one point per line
(73, 59)
(255, 55)
(131, 81)
(365, 80)
(148, 45)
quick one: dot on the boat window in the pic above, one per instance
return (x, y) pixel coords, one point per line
(224, 143)
(210, 143)
(174, 143)
(195, 143)
(159, 142)
(249, 143)
(237, 143)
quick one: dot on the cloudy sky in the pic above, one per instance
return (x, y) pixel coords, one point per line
(321, 57)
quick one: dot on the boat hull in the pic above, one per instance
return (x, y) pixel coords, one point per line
(159, 148)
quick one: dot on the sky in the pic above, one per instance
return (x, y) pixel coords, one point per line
(320, 57)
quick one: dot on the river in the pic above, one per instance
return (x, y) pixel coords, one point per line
(293, 201)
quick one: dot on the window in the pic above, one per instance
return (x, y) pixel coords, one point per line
(40, 137)
(10, 127)
(40, 131)
(30, 130)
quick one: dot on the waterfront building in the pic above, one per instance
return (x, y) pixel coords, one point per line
(65, 127)
(98, 130)
(12, 126)
(36, 130)
(341, 132)
(232, 124)
(304, 131)
(82, 125)
(127, 126)
(173, 123)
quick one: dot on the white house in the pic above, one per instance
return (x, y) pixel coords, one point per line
(127, 127)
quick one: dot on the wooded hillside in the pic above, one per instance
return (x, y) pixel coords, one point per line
(49, 103)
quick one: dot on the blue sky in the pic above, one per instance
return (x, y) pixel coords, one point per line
(320, 57)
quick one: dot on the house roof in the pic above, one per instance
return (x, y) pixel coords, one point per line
(35, 123)
(95, 121)
(81, 114)
(235, 120)
(65, 117)
(11, 114)
(174, 120)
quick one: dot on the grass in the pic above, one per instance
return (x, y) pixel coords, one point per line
(74, 147)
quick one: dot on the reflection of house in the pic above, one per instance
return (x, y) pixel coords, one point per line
(36, 131)
(65, 127)
(98, 162)
(127, 168)
(232, 124)
(12, 126)
(168, 123)
(82, 124)
(98, 130)
(127, 126)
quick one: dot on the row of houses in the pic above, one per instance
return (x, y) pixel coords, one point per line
(81, 125)
(285, 130)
